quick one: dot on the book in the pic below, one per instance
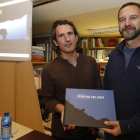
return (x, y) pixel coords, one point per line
(84, 43)
(37, 71)
(112, 42)
(38, 57)
(37, 51)
(93, 42)
(89, 107)
(36, 135)
(99, 54)
(37, 60)
(38, 48)
(94, 53)
(38, 54)
(109, 42)
(37, 82)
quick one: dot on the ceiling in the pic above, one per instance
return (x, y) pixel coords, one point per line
(85, 14)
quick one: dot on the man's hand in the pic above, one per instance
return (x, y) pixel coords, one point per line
(60, 109)
(115, 131)
(68, 127)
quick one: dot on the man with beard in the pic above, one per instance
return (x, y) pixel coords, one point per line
(123, 76)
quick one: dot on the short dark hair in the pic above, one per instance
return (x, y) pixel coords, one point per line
(61, 22)
(127, 4)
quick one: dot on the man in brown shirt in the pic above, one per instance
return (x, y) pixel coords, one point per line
(69, 70)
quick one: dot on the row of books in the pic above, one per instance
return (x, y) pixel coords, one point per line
(99, 42)
(84, 43)
(96, 42)
(98, 54)
(50, 53)
(43, 52)
(38, 52)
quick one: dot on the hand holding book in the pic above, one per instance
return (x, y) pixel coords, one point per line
(69, 127)
(60, 109)
(116, 128)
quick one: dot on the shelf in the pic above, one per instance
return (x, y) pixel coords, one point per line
(39, 63)
(101, 62)
(100, 48)
(111, 35)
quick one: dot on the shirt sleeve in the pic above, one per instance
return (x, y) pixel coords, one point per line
(48, 91)
(130, 126)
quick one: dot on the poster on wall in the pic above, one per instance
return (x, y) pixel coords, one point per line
(15, 30)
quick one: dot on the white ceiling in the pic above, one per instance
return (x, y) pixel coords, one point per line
(86, 14)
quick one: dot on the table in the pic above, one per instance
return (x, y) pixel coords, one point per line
(19, 129)
(36, 135)
(24, 133)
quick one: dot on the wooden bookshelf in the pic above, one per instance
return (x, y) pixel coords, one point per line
(39, 64)
(100, 48)
(90, 49)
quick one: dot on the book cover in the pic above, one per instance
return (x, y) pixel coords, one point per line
(89, 108)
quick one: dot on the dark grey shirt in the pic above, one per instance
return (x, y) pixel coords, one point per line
(128, 53)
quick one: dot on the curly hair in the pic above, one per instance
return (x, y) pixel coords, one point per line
(55, 24)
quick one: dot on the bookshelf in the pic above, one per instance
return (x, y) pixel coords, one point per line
(47, 55)
(99, 48)
(38, 64)
(87, 45)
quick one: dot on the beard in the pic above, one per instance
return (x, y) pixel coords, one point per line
(128, 35)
